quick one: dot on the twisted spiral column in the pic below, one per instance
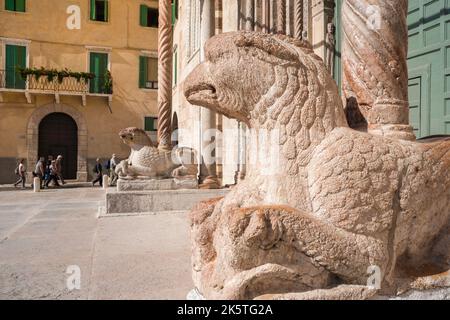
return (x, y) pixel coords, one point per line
(375, 73)
(281, 16)
(298, 19)
(165, 75)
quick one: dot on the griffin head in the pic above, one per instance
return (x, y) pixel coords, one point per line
(135, 136)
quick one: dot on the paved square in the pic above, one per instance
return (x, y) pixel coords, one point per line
(127, 257)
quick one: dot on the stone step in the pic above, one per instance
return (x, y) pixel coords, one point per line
(102, 213)
(137, 202)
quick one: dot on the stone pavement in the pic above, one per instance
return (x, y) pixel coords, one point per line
(127, 257)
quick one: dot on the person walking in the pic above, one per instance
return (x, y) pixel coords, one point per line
(21, 173)
(39, 170)
(48, 163)
(113, 175)
(53, 175)
(59, 169)
(98, 170)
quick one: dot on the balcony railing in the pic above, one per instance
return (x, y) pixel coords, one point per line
(67, 85)
(11, 80)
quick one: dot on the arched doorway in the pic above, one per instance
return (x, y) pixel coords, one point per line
(58, 135)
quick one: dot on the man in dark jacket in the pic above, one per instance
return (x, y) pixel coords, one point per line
(98, 169)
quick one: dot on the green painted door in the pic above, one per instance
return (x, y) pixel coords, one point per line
(16, 56)
(429, 66)
(337, 72)
(99, 67)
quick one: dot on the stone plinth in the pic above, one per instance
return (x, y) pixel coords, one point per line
(157, 200)
(156, 184)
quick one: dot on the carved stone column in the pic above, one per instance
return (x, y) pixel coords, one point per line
(249, 15)
(375, 73)
(208, 171)
(298, 19)
(281, 16)
(265, 16)
(307, 9)
(165, 75)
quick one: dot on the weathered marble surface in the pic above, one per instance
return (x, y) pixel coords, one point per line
(135, 202)
(147, 160)
(156, 184)
(339, 200)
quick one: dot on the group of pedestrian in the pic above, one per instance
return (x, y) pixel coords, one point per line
(49, 171)
(110, 167)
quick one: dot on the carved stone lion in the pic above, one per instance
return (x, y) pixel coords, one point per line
(339, 203)
(146, 160)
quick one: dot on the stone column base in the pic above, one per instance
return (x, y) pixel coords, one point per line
(210, 182)
(393, 131)
(82, 176)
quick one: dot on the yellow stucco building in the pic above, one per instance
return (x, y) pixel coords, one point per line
(43, 112)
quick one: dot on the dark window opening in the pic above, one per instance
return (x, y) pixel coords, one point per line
(149, 16)
(99, 10)
(151, 124)
(148, 72)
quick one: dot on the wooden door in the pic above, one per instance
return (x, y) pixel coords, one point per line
(58, 135)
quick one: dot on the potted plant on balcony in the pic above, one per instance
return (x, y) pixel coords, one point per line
(108, 82)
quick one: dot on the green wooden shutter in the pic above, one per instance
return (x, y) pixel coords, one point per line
(98, 66)
(143, 67)
(10, 5)
(338, 48)
(16, 56)
(10, 65)
(102, 71)
(20, 5)
(144, 15)
(106, 12)
(150, 124)
(174, 11)
(93, 86)
(93, 12)
(21, 63)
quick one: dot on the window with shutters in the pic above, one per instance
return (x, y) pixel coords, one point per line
(99, 10)
(150, 124)
(16, 57)
(98, 65)
(15, 5)
(148, 16)
(148, 72)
